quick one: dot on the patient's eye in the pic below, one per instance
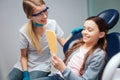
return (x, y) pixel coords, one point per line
(90, 29)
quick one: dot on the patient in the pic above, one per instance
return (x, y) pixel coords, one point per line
(85, 60)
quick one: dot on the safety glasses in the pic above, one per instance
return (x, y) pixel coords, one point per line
(41, 12)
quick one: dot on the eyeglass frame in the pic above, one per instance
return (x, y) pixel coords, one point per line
(39, 13)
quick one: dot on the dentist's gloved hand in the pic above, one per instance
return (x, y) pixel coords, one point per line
(26, 75)
(76, 30)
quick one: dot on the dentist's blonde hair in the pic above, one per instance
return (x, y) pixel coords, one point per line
(33, 37)
(28, 7)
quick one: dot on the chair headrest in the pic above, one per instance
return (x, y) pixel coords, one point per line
(111, 17)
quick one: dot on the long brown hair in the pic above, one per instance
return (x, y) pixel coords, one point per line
(28, 7)
(102, 43)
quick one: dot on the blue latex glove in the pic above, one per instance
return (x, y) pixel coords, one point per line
(26, 75)
(76, 30)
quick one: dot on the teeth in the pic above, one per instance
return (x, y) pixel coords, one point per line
(85, 37)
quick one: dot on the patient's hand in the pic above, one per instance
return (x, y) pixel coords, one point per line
(58, 63)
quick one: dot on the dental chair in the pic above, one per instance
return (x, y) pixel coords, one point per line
(111, 16)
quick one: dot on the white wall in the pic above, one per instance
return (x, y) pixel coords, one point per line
(68, 13)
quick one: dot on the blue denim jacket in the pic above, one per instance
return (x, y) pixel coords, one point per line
(93, 67)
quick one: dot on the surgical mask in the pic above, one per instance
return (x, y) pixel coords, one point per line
(37, 24)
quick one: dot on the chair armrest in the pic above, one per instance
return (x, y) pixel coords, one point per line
(111, 67)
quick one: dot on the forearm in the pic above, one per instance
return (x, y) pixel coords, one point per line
(62, 41)
(24, 59)
(24, 63)
(24, 68)
(68, 38)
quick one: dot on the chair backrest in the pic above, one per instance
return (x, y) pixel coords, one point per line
(113, 44)
(111, 16)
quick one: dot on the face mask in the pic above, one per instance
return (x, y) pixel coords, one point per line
(37, 25)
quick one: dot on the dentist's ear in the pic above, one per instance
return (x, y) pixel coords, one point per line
(102, 34)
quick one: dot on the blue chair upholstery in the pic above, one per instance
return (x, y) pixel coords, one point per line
(113, 46)
(111, 17)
